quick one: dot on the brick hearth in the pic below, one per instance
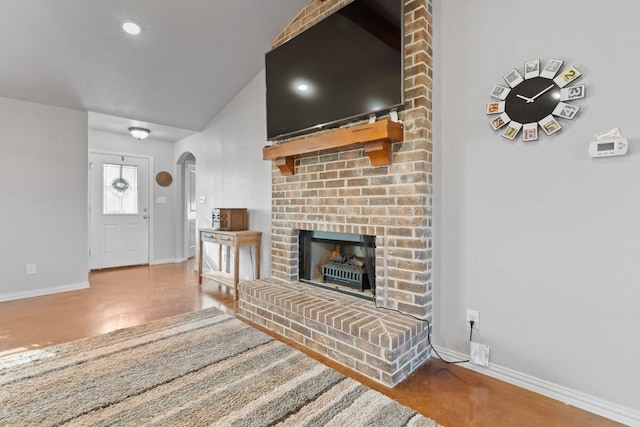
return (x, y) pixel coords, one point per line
(381, 344)
(342, 192)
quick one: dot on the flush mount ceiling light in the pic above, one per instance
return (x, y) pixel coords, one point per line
(131, 28)
(139, 133)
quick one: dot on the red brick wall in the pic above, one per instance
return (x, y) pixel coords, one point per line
(342, 192)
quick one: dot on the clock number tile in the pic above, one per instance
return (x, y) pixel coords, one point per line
(566, 111)
(567, 76)
(531, 69)
(551, 68)
(573, 92)
(550, 125)
(530, 132)
(500, 92)
(495, 107)
(514, 78)
(512, 130)
(500, 121)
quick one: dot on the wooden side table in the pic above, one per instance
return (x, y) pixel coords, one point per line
(235, 239)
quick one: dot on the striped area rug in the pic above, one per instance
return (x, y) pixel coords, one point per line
(201, 368)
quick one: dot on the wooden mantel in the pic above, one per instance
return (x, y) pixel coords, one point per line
(377, 138)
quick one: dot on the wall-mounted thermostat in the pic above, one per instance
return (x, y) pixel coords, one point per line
(608, 147)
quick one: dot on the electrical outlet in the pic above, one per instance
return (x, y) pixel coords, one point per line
(31, 269)
(475, 316)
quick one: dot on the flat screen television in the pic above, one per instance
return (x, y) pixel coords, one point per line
(347, 66)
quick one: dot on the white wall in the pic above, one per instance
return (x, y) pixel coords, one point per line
(231, 172)
(162, 214)
(541, 239)
(43, 193)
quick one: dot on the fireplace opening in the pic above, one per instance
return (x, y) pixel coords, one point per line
(341, 262)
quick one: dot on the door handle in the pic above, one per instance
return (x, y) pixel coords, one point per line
(146, 216)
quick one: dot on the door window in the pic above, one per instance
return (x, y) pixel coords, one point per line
(120, 189)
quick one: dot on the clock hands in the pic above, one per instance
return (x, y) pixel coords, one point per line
(533, 98)
(529, 100)
(541, 92)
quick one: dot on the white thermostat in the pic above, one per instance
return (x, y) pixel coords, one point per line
(608, 147)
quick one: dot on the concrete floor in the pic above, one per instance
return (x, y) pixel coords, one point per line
(119, 298)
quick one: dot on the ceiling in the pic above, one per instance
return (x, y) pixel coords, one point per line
(191, 58)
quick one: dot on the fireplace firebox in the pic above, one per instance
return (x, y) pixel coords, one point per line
(338, 261)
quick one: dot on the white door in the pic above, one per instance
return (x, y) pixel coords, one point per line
(119, 210)
(190, 208)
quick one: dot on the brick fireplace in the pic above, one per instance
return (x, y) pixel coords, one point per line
(342, 192)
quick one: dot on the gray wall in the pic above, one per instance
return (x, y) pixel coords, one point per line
(162, 214)
(231, 172)
(541, 239)
(43, 193)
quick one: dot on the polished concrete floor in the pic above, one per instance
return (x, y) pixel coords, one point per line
(118, 298)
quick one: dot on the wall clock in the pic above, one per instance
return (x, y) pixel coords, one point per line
(535, 100)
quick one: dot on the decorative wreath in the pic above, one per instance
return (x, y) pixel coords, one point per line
(120, 187)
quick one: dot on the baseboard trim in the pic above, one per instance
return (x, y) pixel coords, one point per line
(168, 261)
(163, 261)
(596, 405)
(43, 291)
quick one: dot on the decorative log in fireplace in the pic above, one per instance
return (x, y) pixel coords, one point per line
(348, 271)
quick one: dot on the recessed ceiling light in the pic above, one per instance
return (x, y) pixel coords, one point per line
(131, 28)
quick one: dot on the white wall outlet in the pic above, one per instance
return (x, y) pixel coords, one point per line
(475, 316)
(31, 269)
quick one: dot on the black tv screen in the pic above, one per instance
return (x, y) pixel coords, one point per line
(346, 66)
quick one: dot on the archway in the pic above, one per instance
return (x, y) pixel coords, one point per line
(186, 224)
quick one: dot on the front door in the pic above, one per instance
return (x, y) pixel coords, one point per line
(119, 210)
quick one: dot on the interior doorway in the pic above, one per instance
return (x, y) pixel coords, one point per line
(189, 207)
(186, 208)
